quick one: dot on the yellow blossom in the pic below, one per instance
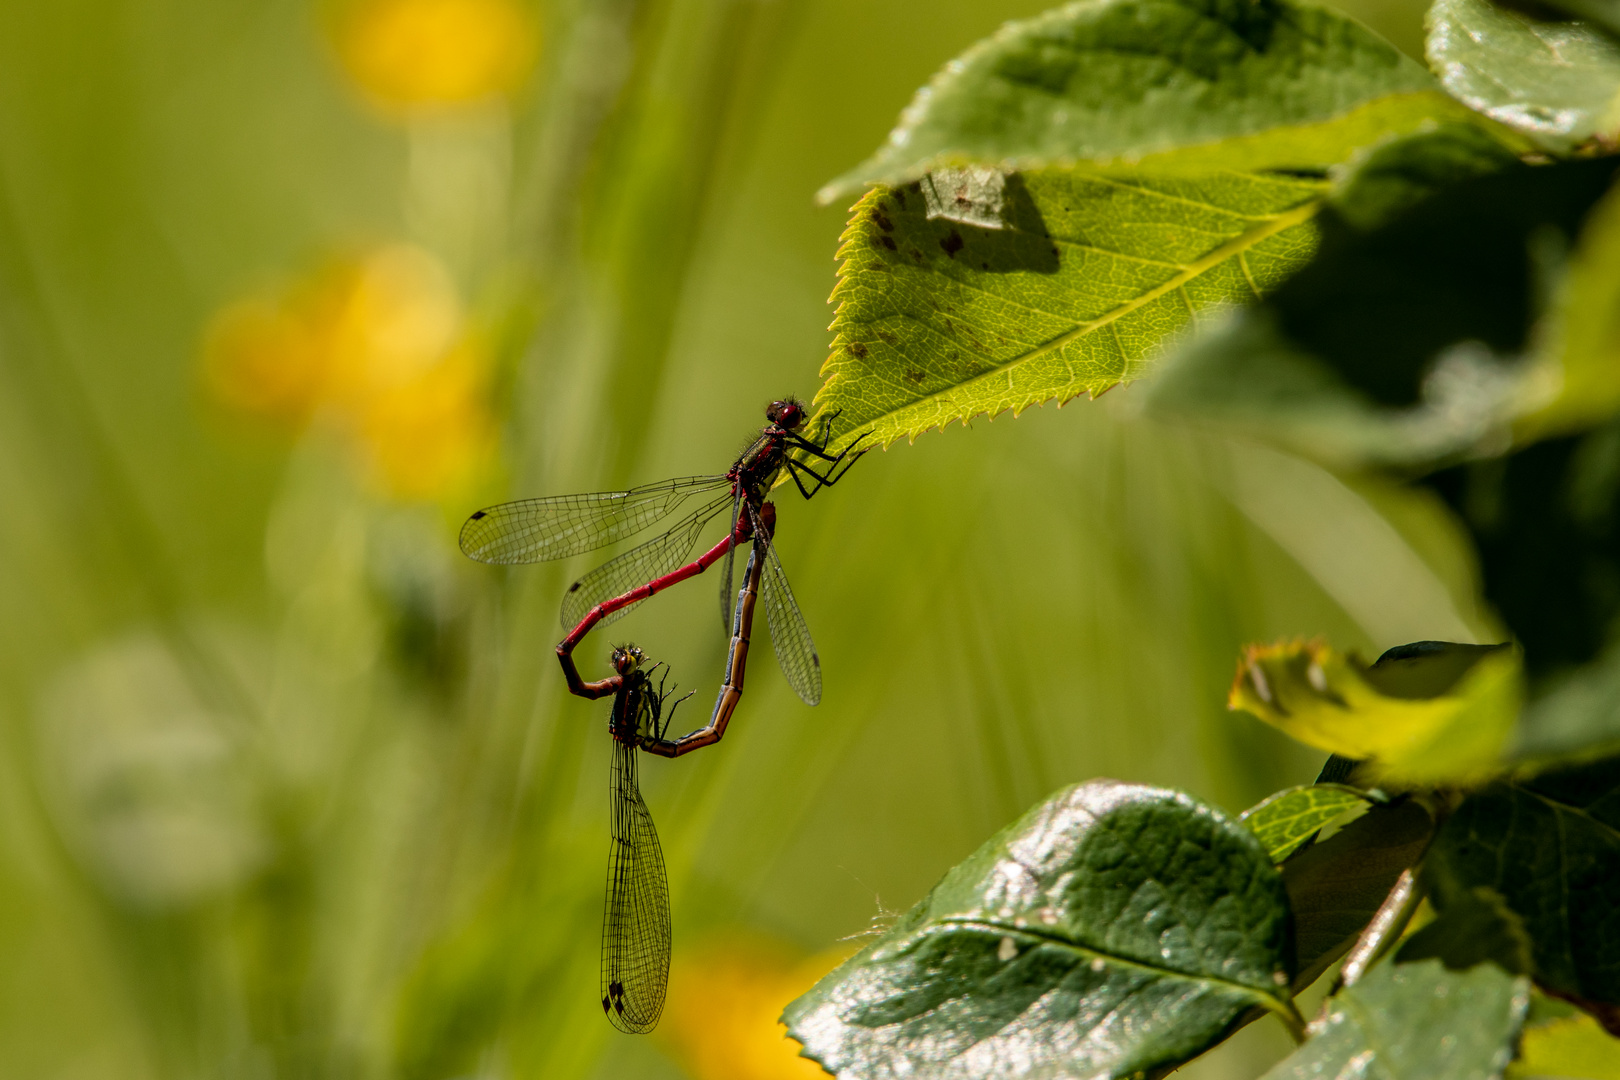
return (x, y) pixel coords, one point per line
(376, 347)
(431, 54)
(724, 1000)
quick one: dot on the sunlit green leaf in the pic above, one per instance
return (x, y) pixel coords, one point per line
(1193, 84)
(1331, 702)
(1287, 819)
(1550, 847)
(1113, 928)
(1336, 886)
(1403, 344)
(1415, 1020)
(939, 320)
(1556, 81)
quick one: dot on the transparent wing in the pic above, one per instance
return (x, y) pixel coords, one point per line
(536, 530)
(790, 637)
(639, 565)
(635, 919)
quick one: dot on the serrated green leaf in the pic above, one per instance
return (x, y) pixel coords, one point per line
(1331, 702)
(1406, 1021)
(1160, 84)
(1284, 821)
(1402, 345)
(1556, 81)
(1550, 847)
(1335, 887)
(1111, 929)
(939, 320)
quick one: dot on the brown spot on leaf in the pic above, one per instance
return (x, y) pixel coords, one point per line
(887, 338)
(915, 376)
(952, 243)
(882, 222)
(857, 349)
(887, 242)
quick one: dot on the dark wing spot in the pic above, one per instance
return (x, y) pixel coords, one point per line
(575, 586)
(952, 243)
(476, 516)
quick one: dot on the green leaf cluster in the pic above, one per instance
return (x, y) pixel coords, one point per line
(1410, 278)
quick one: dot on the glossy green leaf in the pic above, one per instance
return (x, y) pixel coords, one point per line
(1189, 84)
(939, 320)
(1335, 887)
(1284, 821)
(1111, 929)
(1550, 847)
(1410, 1021)
(1557, 81)
(1402, 344)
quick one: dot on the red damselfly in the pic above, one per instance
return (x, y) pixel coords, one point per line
(731, 683)
(537, 530)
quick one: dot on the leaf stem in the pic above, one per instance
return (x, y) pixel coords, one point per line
(1383, 931)
(1292, 1020)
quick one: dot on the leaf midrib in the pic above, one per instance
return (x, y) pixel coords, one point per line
(1265, 998)
(1243, 242)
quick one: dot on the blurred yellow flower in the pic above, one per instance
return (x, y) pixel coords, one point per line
(378, 347)
(427, 54)
(724, 1000)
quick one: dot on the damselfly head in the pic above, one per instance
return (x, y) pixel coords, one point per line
(626, 658)
(788, 413)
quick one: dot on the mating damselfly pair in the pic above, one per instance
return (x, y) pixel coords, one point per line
(636, 933)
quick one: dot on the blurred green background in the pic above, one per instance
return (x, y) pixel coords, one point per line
(288, 788)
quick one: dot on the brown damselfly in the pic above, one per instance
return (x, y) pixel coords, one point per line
(636, 930)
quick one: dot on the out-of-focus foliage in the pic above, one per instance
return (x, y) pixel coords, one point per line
(1451, 733)
(1386, 1025)
(1277, 86)
(287, 787)
(1555, 80)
